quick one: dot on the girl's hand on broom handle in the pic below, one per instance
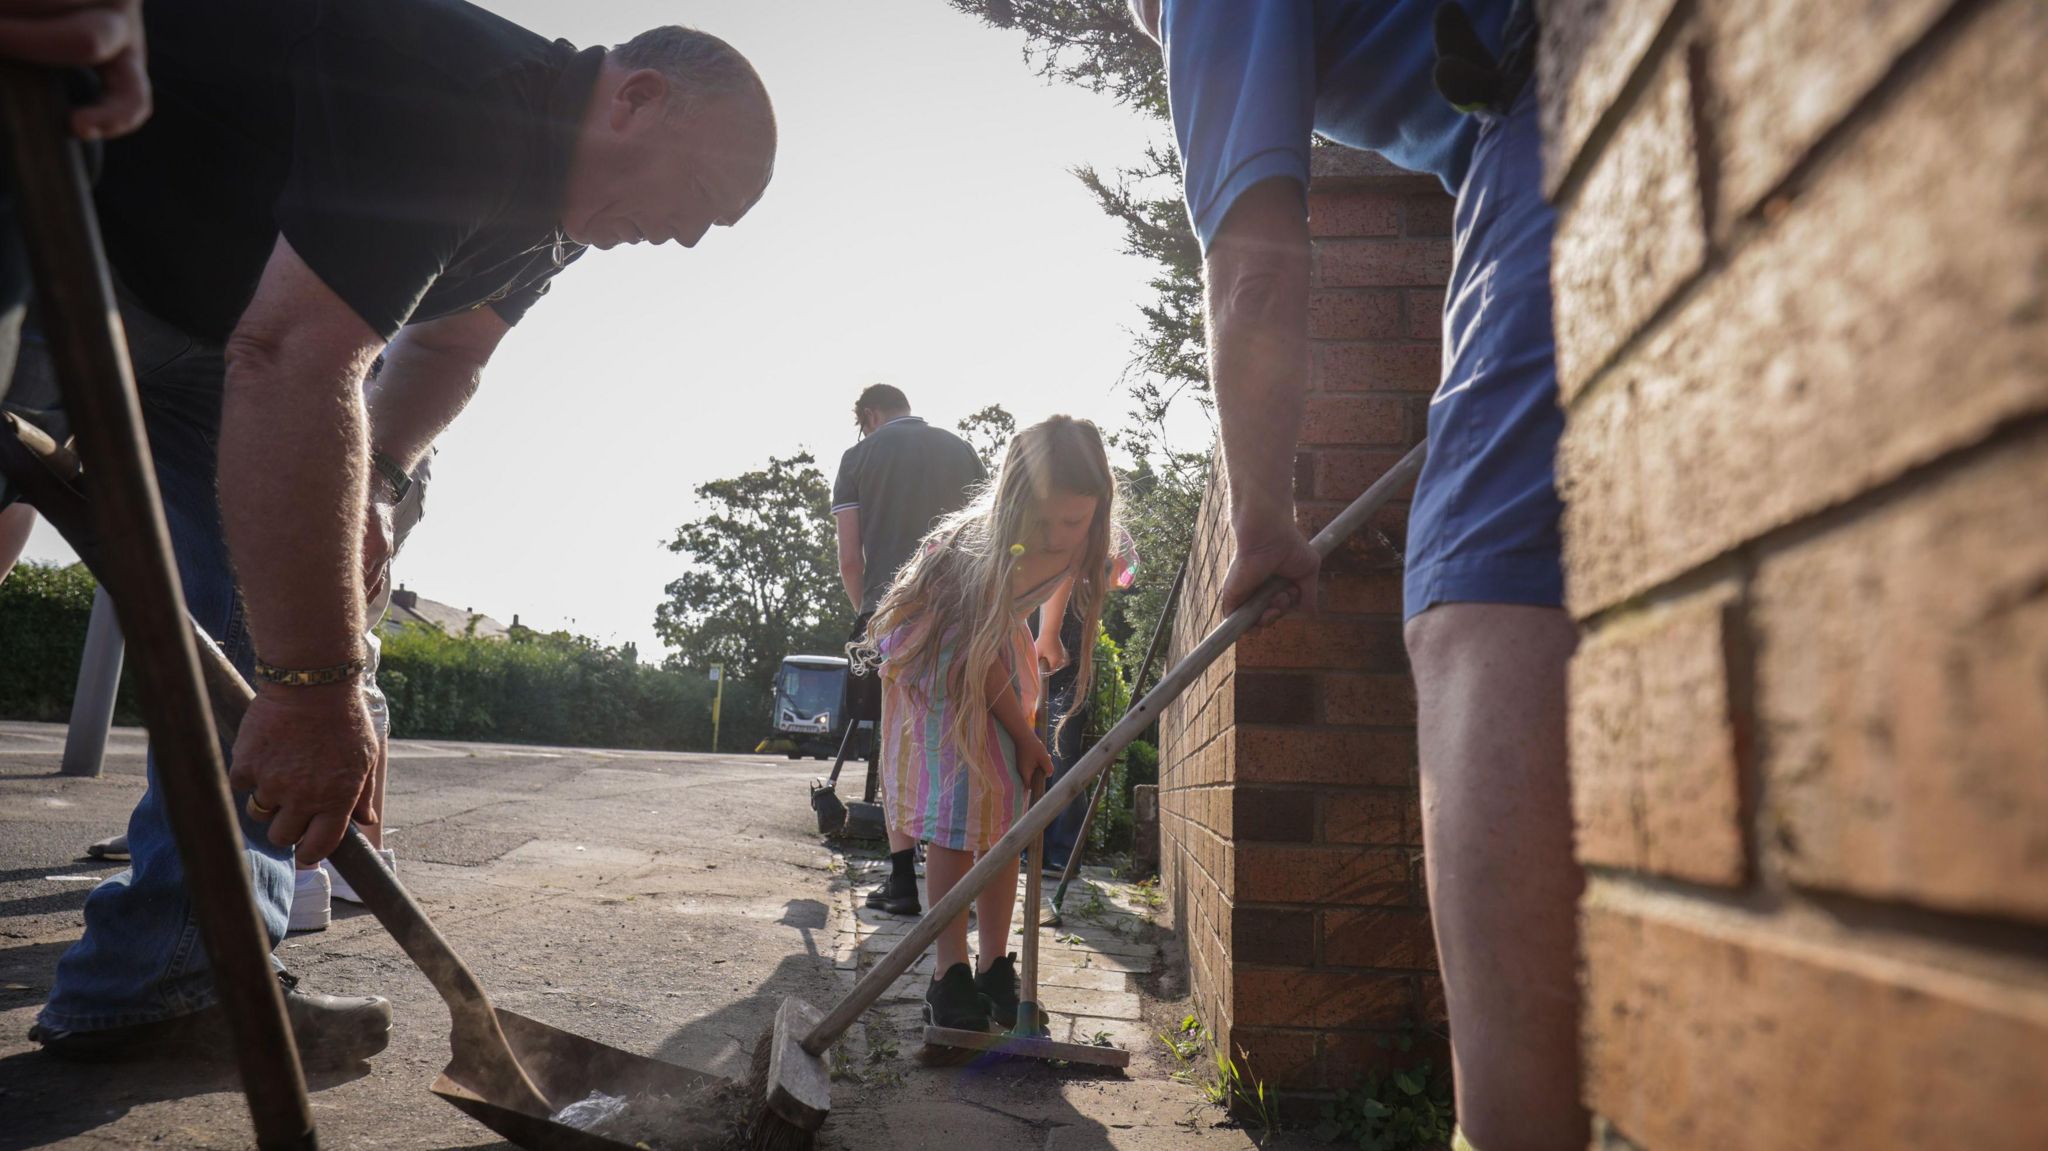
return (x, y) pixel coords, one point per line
(1033, 760)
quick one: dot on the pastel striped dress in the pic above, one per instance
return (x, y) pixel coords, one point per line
(933, 791)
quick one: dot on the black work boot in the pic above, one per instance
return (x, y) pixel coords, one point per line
(898, 894)
(331, 1031)
(951, 1001)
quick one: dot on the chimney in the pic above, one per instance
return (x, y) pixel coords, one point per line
(405, 598)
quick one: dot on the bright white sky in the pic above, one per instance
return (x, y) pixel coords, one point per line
(922, 230)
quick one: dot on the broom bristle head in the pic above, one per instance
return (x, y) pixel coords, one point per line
(780, 1052)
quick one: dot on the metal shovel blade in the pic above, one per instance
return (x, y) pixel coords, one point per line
(567, 1067)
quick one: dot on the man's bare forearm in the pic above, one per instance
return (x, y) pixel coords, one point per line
(853, 580)
(430, 374)
(293, 454)
(1258, 348)
(853, 568)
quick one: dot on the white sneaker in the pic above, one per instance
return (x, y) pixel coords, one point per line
(312, 902)
(341, 888)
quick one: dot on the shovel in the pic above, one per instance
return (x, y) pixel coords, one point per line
(506, 1071)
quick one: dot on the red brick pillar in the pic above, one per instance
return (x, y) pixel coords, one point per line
(1290, 837)
(1801, 266)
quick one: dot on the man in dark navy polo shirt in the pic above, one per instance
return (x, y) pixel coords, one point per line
(894, 486)
(323, 183)
(1438, 88)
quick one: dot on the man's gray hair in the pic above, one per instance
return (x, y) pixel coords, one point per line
(700, 67)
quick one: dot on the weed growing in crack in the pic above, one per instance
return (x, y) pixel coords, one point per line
(1410, 1109)
(1225, 1083)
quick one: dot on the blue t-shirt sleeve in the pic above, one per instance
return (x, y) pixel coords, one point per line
(1241, 80)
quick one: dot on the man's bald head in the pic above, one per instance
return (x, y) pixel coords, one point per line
(679, 137)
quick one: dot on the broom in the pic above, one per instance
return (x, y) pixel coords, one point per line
(791, 1082)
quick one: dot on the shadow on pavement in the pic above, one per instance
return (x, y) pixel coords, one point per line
(723, 1041)
(49, 1100)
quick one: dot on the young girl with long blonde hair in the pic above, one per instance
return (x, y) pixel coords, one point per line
(960, 683)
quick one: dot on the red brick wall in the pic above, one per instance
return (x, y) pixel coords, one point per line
(1801, 266)
(1290, 836)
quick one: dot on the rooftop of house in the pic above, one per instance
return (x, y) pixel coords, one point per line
(408, 606)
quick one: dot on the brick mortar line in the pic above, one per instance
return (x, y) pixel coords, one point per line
(1821, 923)
(1746, 556)
(1725, 245)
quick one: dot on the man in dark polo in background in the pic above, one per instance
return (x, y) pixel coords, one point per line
(322, 183)
(898, 481)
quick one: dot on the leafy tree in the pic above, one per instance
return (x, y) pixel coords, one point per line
(764, 576)
(1094, 44)
(989, 431)
(1088, 43)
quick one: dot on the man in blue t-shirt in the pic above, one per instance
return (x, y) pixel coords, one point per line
(1438, 89)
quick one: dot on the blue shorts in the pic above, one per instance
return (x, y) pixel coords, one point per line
(1484, 525)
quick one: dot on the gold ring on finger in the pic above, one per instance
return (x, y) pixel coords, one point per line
(259, 812)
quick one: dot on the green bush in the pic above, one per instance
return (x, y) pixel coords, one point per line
(557, 688)
(1111, 694)
(531, 688)
(44, 610)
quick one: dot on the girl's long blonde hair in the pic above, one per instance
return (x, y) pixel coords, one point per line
(957, 583)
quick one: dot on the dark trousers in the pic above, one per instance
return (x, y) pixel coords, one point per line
(1066, 746)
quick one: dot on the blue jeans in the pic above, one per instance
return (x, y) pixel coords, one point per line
(141, 958)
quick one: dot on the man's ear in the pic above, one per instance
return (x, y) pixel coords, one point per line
(643, 90)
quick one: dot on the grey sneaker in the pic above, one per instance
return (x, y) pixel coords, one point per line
(312, 900)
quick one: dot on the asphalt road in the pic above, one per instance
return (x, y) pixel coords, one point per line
(661, 903)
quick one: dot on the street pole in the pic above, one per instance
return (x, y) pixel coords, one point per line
(717, 677)
(99, 680)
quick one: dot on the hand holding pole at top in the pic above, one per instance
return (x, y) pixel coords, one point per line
(103, 35)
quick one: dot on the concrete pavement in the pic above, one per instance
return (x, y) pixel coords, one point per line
(661, 903)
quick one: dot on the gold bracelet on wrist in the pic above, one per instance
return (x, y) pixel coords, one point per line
(311, 677)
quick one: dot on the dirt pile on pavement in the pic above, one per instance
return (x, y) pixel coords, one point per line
(711, 1118)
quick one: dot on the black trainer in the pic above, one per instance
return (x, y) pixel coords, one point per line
(999, 986)
(331, 1031)
(951, 1001)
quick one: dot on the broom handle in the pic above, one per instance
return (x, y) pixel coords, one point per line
(1135, 721)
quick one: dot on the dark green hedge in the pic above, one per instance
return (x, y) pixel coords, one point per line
(556, 688)
(44, 610)
(534, 688)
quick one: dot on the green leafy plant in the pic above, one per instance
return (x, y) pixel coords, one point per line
(1244, 1095)
(1147, 894)
(1406, 1109)
(873, 1068)
(1094, 907)
(1225, 1083)
(1184, 1044)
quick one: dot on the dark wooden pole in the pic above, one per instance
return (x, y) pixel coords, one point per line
(78, 315)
